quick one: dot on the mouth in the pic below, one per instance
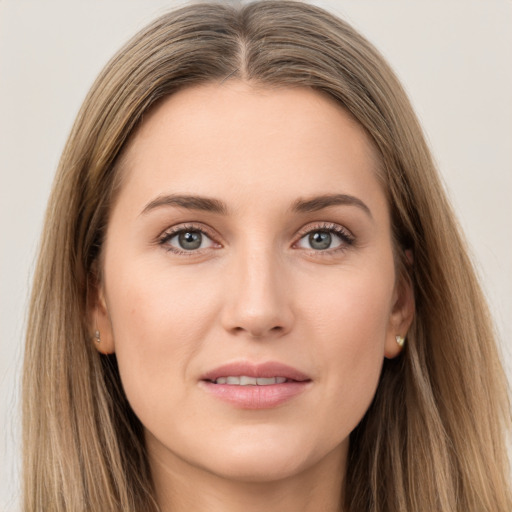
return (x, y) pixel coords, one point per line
(244, 373)
(255, 386)
(245, 380)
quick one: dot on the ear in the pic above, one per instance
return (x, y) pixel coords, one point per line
(99, 320)
(402, 312)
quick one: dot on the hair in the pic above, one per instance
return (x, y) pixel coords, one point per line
(434, 437)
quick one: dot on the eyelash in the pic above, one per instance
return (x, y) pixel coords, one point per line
(183, 228)
(346, 237)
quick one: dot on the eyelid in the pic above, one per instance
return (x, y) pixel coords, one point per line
(346, 236)
(171, 232)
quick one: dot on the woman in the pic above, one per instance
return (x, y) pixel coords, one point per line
(252, 292)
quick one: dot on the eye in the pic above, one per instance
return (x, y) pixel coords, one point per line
(325, 238)
(186, 239)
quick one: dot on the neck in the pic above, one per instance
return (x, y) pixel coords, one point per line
(181, 487)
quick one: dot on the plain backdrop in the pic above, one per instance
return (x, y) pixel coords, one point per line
(454, 58)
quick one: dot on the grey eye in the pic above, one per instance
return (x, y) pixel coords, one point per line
(320, 240)
(190, 240)
(187, 240)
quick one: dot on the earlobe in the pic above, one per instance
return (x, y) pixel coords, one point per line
(100, 322)
(401, 318)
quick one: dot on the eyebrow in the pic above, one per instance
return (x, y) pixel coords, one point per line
(206, 204)
(325, 201)
(209, 204)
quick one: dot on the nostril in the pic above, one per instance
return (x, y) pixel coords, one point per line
(259, 332)
(257, 321)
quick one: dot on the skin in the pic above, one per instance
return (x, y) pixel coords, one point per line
(256, 290)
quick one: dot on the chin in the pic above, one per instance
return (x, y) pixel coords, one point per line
(267, 458)
(260, 467)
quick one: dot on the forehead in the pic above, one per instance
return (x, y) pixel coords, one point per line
(207, 138)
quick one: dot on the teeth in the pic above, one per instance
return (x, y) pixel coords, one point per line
(243, 380)
(262, 381)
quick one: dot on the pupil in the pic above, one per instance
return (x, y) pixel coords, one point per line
(320, 240)
(190, 240)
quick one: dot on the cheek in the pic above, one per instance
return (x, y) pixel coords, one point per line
(159, 321)
(353, 306)
(349, 325)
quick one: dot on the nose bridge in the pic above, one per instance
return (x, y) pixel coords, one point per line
(259, 303)
(259, 273)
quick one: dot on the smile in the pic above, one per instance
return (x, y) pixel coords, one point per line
(245, 380)
(247, 385)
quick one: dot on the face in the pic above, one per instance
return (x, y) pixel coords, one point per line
(249, 288)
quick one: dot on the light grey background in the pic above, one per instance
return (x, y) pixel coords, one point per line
(454, 58)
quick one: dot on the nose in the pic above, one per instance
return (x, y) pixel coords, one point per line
(259, 304)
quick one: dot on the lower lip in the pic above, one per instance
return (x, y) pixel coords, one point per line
(256, 397)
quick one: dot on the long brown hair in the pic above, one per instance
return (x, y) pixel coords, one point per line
(434, 438)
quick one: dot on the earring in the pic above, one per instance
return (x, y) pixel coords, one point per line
(400, 340)
(97, 338)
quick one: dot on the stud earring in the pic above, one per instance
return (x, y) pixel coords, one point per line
(97, 338)
(400, 340)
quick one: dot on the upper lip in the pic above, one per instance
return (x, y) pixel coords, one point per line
(268, 369)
